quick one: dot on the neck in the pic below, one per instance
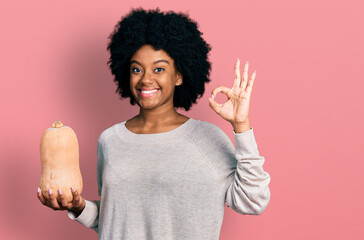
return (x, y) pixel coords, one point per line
(157, 117)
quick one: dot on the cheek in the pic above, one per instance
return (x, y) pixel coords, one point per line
(132, 82)
(132, 85)
(167, 81)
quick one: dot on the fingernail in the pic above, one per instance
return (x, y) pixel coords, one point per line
(212, 96)
(38, 189)
(238, 59)
(247, 62)
(50, 191)
(73, 190)
(60, 191)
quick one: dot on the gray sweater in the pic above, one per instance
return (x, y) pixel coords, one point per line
(174, 185)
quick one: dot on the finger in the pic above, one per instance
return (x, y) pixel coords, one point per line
(46, 201)
(77, 199)
(76, 196)
(53, 200)
(237, 73)
(215, 106)
(63, 200)
(251, 82)
(40, 196)
(223, 90)
(245, 76)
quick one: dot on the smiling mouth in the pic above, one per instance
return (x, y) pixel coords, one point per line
(148, 93)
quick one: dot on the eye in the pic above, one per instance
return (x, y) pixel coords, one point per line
(159, 69)
(135, 69)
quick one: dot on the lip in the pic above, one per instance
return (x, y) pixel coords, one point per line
(148, 94)
(147, 89)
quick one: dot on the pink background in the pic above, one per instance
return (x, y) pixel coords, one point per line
(306, 108)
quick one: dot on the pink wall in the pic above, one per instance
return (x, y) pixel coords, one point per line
(306, 108)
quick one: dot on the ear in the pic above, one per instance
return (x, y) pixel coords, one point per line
(179, 79)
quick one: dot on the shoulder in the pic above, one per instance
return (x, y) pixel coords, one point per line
(108, 133)
(214, 144)
(210, 128)
(207, 126)
(205, 131)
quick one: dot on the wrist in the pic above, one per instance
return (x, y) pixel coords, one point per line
(241, 127)
(78, 210)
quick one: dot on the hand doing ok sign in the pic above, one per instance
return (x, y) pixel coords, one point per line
(236, 109)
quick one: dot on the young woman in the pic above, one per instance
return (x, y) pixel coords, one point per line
(163, 175)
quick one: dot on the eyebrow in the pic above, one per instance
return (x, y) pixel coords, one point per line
(161, 60)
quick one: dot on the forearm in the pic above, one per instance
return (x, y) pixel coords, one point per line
(249, 191)
(89, 216)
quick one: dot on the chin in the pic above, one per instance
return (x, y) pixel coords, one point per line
(147, 106)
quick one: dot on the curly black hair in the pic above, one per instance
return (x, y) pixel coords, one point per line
(176, 34)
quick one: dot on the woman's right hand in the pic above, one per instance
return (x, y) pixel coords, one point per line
(77, 205)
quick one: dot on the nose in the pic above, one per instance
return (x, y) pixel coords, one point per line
(146, 77)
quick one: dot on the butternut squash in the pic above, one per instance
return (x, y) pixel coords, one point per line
(59, 153)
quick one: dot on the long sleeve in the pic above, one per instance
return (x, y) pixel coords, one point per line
(249, 191)
(239, 167)
(90, 214)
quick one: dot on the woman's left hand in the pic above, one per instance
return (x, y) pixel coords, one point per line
(236, 109)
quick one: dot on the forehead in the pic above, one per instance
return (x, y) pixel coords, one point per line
(147, 54)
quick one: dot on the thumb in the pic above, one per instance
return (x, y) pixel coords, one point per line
(213, 104)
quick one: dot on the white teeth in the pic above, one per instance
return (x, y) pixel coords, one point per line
(149, 91)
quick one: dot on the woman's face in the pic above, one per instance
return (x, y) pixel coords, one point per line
(153, 78)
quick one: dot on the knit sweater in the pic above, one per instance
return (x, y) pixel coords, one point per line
(174, 185)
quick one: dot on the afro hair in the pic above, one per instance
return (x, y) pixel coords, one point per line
(176, 34)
